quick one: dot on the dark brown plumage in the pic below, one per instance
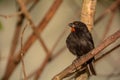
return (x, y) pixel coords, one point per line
(80, 42)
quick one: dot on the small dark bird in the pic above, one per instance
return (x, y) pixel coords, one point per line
(80, 42)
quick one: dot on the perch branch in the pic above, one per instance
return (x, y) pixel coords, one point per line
(71, 69)
(96, 21)
(64, 48)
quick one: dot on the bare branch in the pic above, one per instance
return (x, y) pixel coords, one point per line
(22, 53)
(110, 9)
(22, 5)
(10, 15)
(109, 24)
(15, 39)
(106, 53)
(88, 12)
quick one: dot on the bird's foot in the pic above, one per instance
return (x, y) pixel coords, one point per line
(75, 62)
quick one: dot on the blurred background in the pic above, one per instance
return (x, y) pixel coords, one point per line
(56, 31)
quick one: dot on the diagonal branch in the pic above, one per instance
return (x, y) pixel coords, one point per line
(71, 69)
(109, 24)
(26, 13)
(41, 26)
(22, 52)
(110, 9)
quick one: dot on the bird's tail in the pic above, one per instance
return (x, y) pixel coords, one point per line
(90, 67)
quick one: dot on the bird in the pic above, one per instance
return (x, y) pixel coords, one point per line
(79, 42)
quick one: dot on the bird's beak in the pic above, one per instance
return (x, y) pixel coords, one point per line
(72, 27)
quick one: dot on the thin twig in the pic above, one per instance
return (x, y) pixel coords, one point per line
(48, 55)
(71, 69)
(11, 15)
(46, 61)
(41, 26)
(110, 9)
(22, 53)
(40, 70)
(26, 13)
(14, 42)
(33, 5)
(51, 58)
(57, 41)
(109, 24)
(44, 22)
(55, 45)
(58, 52)
(15, 38)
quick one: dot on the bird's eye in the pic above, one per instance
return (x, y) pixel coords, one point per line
(70, 24)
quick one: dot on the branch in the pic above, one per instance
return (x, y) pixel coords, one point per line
(41, 26)
(58, 52)
(57, 41)
(11, 15)
(22, 52)
(110, 9)
(71, 69)
(18, 29)
(48, 59)
(21, 18)
(109, 24)
(26, 13)
(88, 12)
(106, 53)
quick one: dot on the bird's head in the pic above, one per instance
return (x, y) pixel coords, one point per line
(77, 26)
(72, 26)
